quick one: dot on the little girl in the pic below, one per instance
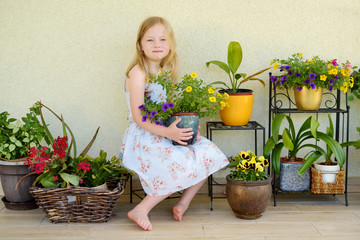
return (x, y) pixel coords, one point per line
(147, 149)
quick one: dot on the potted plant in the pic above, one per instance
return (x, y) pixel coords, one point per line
(241, 100)
(294, 141)
(16, 138)
(308, 78)
(248, 187)
(329, 168)
(189, 99)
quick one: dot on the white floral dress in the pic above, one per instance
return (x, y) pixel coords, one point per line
(162, 167)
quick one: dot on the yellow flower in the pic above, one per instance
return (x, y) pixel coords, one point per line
(147, 79)
(211, 91)
(345, 84)
(188, 89)
(351, 82)
(222, 104)
(218, 95)
(212, 99)
(193, 75)
(307, 60)
(226, 96)
(271, 62)
(276, 66)
(258, 167)
(329, 66)
(333, 71)
(214, 87)
(300, 54)
(160, 72)
(308, 68)
(344, 72)
(323, 77)
(344, 89)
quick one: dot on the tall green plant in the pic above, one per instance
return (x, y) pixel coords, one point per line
(329, 149)
(234, 59)
(294, 141)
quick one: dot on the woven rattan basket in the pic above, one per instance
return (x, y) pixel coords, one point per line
(67, 204)
(320, 187)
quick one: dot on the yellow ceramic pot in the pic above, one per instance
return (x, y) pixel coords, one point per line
(240, 108)
(308, 99)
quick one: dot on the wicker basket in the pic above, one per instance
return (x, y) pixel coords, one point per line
(320, 187)
(68, 204)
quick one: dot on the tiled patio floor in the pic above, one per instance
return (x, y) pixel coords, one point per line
(295, 217)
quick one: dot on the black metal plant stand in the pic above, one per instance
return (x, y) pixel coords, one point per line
(215, 126)
(281, 102)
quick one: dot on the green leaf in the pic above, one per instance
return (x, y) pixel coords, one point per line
(330, 129)
(275, 128)
(32, 144)
(26, 140)
(234, 56)
(12, 147)
(287, 140)
(48, 182)
(13, 139)
(275, 158)
(73, 179)
(310, 160)
(220, 64)
(18, 143)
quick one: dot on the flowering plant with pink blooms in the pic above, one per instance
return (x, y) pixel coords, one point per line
(57, 168)
(297, 72)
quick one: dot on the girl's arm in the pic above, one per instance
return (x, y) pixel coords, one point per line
(136, 86)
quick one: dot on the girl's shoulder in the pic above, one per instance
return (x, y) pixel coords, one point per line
(137, 73)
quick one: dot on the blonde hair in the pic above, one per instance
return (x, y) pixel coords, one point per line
(170, 62)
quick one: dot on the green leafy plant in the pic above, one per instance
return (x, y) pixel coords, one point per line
(328, 152)
(191, 94)
(18, 136)
(234, 59)
(246, 166)
(296, 72)
(294, 141)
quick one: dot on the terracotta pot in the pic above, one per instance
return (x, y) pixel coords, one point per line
(240, 107)
(308, 99)
(290, 180)
(248, 200)
(188, 120)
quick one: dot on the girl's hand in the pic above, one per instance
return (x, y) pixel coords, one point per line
(179, 134)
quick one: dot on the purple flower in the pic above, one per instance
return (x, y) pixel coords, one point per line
(299, 88)
(158, 122)
(287, 67)
(312, 75)
(336, 77)
(330, 88)
(141, 107)
(290, 72)
(273, 79)
(165, 107)
(283, 78)
(171, 105)
(297, 74)
(153, 113)
(307, 81)
(144, 117)
(312, 85)
(331, 81)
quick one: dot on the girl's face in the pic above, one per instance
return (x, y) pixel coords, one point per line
(155, 43)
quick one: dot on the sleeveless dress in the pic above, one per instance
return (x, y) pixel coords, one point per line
(162, 167)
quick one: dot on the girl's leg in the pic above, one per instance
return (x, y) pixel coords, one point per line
(139, 214)
(184, 202)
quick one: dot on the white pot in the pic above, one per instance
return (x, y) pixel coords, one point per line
(328, 172)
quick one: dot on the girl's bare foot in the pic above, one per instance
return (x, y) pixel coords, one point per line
(141, 219)
(178, 211)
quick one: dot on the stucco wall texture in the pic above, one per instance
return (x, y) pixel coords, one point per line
(72, 55)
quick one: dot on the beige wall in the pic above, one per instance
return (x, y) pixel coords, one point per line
(72, 54)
